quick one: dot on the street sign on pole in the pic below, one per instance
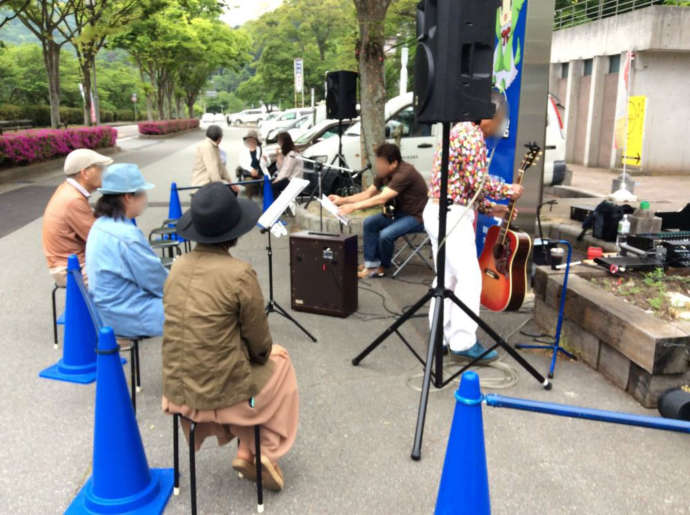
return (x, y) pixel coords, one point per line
(299, 77)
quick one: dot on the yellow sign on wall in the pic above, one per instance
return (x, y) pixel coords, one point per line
(637, 107)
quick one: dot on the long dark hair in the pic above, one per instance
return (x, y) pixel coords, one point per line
(285, 142)
(110, 206)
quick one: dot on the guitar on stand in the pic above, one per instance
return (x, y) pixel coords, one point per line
(503, 261)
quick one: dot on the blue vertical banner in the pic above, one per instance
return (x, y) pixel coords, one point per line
(507, 77)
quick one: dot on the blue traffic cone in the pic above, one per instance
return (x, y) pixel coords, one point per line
(175, 208)
(121, 481)
(464, 487)
(78, 363)
(268, 193)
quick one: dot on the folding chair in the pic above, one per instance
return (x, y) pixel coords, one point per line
(56, 320)
(399, 261)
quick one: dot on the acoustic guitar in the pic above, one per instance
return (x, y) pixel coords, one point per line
(503, 261)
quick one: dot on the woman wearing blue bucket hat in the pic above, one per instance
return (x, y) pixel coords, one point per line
(125, 276)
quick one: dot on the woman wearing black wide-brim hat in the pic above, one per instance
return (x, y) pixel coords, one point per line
(217, 349)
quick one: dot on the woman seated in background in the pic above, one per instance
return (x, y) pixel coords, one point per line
(125, 275)
(289, 163)
(217, 349)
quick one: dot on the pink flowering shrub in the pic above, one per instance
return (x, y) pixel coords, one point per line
(31, 146)
(167, 126)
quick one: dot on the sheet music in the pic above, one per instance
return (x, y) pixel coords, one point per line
(289, 194)
(333, 209)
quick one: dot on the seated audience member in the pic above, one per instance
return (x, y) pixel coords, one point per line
(289, 163)
(208, 163)
(125, 275)
(402, 192)
(217, 348)
(250, 157)
(68, 216)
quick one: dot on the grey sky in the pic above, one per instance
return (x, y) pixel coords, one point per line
(241, 11)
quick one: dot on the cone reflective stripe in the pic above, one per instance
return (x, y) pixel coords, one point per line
(122, 481)
(464, 487)
(268, 193)
(78, 363)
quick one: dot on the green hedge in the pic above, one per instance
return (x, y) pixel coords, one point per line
(40, 114)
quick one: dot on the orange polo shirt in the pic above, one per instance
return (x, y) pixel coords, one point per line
(66, 224)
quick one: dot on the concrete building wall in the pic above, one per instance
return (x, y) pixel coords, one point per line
(664, 78)
(660, 38)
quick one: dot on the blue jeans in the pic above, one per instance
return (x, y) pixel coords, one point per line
(380, 233)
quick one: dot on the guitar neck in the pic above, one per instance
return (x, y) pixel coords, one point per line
(508, 217)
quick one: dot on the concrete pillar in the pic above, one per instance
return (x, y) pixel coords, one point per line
(594, 109)
(572, 93)
(621, 110)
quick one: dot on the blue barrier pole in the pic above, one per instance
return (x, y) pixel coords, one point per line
(564, 410)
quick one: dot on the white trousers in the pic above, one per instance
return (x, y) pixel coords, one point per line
(463, 276)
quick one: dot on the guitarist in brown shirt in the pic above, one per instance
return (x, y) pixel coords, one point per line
(401, 190)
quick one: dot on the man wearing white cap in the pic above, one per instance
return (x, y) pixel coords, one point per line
(68, 216)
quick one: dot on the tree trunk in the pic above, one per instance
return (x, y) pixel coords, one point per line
(190, 107)
(370, 18)
(51, 57)
(85, 68)
(97, 106)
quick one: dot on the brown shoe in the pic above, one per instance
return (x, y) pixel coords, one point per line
(245, 469)
(271, 475)
(372, 273)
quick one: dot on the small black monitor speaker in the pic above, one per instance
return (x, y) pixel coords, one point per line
(341, 95)
(454, 61)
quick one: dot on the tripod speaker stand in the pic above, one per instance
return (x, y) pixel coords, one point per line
(272, 306)
(434, 356)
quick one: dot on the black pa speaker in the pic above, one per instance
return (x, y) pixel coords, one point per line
(341, 95)
(454, 61)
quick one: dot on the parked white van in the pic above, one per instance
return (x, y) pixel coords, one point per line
(418, 141)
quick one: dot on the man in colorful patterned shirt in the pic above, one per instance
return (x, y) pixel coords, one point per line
(467, 173)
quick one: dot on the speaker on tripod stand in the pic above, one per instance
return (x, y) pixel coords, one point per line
(453, 72)
(341, 104)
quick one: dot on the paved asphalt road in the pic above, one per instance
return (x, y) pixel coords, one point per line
(352, 451)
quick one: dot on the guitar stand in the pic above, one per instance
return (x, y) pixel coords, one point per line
(434, 355)
(555, 346)
(272, 306)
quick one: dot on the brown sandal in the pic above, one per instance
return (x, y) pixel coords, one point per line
(245, 469)
(271, 475)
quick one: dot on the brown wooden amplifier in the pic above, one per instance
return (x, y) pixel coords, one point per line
(323, 273)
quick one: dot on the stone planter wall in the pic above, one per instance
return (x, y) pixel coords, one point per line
(636, 351)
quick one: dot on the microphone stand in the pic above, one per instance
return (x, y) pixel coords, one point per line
(435, 350)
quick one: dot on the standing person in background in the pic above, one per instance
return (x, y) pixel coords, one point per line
(208, 165)
(467, 166)
(68, 216)
(289, 163)
(126, 276)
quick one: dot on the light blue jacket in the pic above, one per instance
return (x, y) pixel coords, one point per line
(125, 278)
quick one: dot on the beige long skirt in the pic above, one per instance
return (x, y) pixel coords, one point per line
(276, 409)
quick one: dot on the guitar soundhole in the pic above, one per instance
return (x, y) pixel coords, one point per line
(502, 256)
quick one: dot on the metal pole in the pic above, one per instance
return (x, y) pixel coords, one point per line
(564, 410)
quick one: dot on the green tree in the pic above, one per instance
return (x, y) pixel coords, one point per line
(42, 18)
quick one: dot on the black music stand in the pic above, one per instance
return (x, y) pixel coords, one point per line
(272, 306)
(434, 355)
